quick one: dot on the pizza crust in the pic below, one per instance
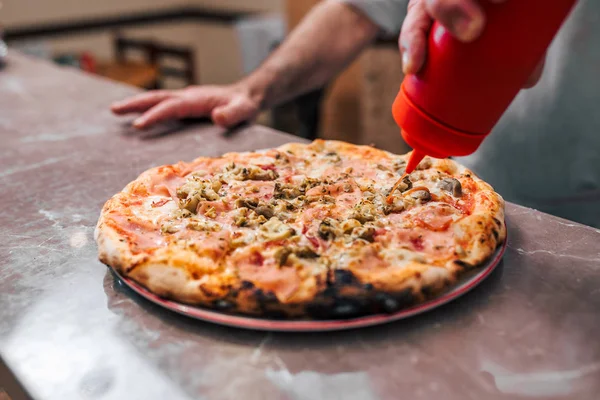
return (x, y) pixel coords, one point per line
(184, 269)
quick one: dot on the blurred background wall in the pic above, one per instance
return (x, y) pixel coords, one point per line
(224, 39)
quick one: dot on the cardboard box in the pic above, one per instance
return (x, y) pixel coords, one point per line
(381, 77)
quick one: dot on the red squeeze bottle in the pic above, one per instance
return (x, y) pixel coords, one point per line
(452, 104)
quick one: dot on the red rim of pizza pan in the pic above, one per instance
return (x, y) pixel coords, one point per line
(318, 325)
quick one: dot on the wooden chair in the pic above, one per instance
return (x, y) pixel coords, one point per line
(151, 72)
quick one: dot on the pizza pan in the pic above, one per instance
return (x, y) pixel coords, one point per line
(307, 325)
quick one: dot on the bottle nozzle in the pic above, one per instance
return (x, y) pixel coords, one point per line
(415, 158)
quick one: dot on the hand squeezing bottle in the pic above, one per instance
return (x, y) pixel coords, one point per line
(452, 104)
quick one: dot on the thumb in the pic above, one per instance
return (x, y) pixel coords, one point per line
(238, 110)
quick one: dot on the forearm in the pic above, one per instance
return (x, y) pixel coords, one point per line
(327, 40)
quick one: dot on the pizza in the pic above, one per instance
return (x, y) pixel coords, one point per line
(301, 231)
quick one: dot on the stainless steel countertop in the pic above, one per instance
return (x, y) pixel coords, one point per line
(69, 330)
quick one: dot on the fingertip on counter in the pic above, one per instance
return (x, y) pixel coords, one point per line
(118, 108)
(139, 123)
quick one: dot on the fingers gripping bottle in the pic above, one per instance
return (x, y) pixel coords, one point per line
(452, 104)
